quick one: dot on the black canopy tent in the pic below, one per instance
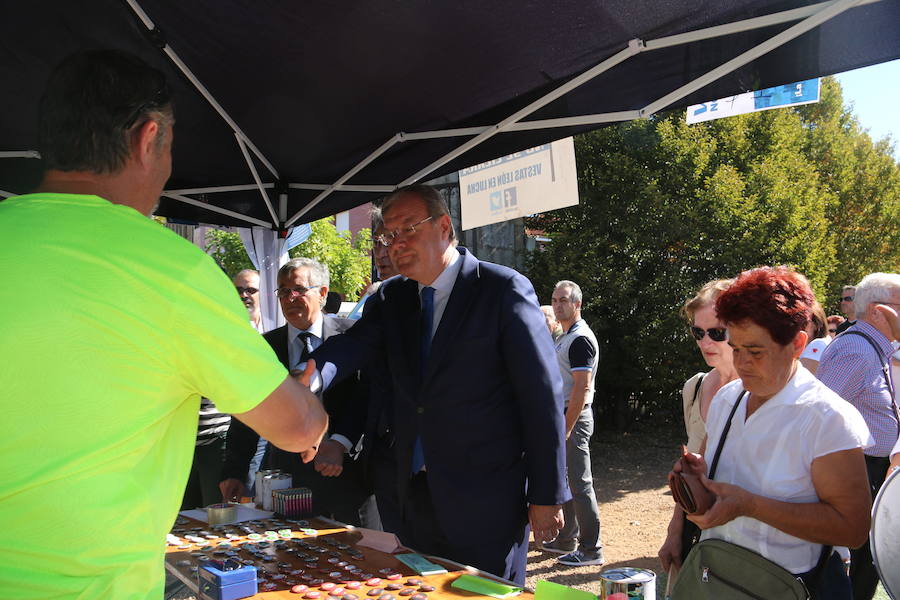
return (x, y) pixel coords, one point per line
(290, 111)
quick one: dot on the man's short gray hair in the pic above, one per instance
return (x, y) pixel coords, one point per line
(875, 287)
(377, 220)
(245, 272)
(574, 290)
(432, 198)
(318, 273)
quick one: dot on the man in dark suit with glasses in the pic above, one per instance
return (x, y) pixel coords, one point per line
(477, 407)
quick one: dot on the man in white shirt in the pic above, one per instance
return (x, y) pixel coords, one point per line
(335, 480)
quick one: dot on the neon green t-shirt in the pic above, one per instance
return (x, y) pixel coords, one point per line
(111, 328)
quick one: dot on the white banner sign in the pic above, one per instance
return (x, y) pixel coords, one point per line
(521, 184)
(780, 96)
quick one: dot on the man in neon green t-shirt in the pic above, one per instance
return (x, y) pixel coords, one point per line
(116, 330)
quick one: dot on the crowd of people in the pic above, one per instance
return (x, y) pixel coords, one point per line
(456, 412)
(811, 423)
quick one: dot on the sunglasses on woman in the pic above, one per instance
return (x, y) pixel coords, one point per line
(716, 334)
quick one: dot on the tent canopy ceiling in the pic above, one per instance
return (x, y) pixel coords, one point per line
(316, 87)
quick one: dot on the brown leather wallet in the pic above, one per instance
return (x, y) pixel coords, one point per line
(690, 493)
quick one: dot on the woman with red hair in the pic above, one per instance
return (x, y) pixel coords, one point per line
(791, 469)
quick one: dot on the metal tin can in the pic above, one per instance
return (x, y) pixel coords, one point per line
(626, 583)
(218, 514)
(258, 487)
(270, 483)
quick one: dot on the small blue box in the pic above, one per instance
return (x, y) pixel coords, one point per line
(226, 585)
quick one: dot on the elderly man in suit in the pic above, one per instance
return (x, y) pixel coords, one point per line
(477, 407)
(335, 480)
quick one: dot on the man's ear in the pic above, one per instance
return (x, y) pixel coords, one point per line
(323, 294)
(145, 141)
(445, 225)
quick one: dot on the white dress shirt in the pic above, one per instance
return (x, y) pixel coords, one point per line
(295, 347)
(295, 351)
(443, 286)
(771, 454)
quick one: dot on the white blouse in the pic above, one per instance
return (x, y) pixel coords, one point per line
(771, 454)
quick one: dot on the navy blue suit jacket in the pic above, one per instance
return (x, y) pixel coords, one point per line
(489, 406)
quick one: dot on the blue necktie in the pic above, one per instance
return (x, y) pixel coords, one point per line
(305, 338)
(427, 322)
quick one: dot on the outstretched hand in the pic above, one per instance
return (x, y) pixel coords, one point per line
(305, 374)
(329, 461)
(309, 454)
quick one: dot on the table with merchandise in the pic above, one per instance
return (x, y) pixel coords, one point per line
(315, 559)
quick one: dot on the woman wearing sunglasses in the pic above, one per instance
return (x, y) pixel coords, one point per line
(791, 480)
(709, 332)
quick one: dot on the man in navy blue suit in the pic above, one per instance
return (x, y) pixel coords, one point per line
(477, 396)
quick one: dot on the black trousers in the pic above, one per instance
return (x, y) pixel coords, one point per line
(422, 532)
(203, 483)
(863, 574)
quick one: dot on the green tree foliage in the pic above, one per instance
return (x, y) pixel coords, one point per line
(346, 257)
(666, 207)
(228, 251)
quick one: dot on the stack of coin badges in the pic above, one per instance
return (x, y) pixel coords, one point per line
(288, 556)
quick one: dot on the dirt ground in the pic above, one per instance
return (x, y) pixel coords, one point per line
(635, 506)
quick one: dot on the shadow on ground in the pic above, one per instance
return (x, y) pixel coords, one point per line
(633, 461)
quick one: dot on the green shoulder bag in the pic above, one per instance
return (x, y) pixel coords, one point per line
(719, 570)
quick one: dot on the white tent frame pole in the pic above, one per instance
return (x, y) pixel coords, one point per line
(395, 139)
(742, 59)
(216, 209)
(294, 186)
(343, 188)
(221, 188)
(148, 23)
(21, 154)
(612, 117)
(259, 185)
(634, 47)
(778, 18)
(443, 133)
(282, 206)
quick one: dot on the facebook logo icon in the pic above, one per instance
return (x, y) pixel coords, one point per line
(509, 198)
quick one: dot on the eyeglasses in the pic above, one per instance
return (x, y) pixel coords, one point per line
(716, 334)
(297, 291)
(386, 239)
(161, 98)
(846, 298)
(245, 290)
